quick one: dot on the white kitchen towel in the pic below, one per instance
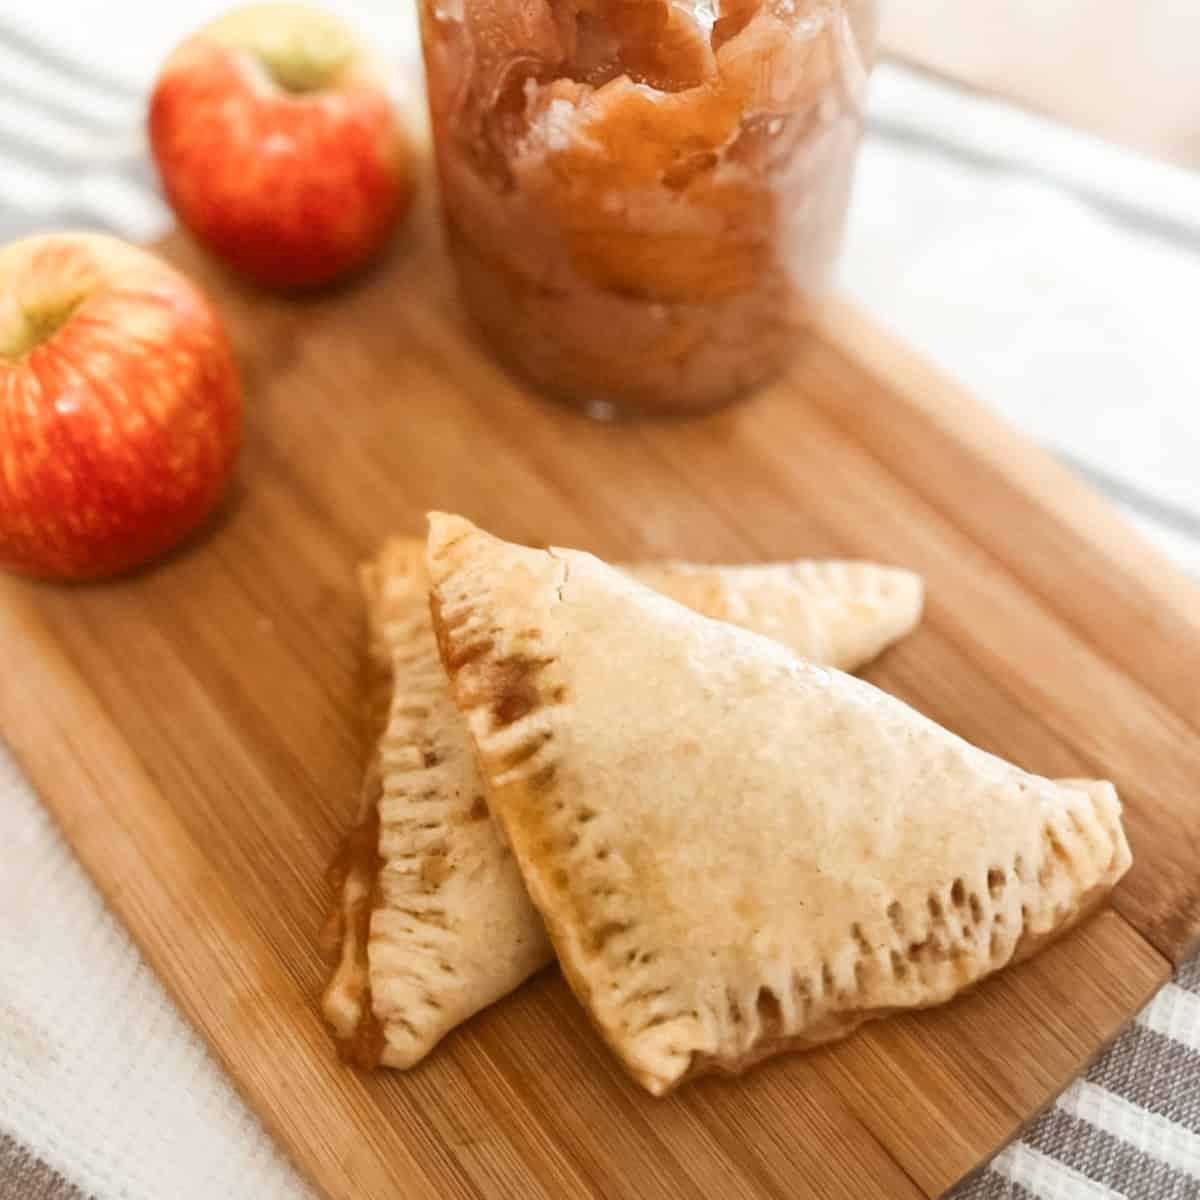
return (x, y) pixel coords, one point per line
(1016, 254)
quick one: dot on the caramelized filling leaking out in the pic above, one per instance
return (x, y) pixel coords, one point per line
(364, 1047)
(514, 688)
(360, 859)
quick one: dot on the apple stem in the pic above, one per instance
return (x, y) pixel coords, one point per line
(27, 329)
(299, 78)
(305, 60)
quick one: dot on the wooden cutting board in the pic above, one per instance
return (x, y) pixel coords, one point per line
(195, 731)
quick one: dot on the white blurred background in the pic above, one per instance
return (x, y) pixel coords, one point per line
(1125, 71)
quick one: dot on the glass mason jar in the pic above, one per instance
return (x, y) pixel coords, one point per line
(643, 198)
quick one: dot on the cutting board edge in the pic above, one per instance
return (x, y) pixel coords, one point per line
(1034, 472)
(1084, 1067)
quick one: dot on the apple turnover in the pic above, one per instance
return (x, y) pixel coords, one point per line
(735, 851)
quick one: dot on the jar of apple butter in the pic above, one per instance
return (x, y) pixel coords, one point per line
(644, 198)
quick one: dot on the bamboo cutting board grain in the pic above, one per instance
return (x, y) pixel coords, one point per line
(194, 729)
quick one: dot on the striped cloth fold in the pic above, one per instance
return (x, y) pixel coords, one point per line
(104, 1091)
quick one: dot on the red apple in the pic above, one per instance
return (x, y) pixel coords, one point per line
(279, 146)
(120, 408)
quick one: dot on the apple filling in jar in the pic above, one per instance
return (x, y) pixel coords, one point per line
(643, 198)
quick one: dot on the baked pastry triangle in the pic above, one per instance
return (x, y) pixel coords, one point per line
(432, 918)
(736, 852)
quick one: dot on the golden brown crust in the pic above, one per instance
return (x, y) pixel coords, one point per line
(736, 852)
